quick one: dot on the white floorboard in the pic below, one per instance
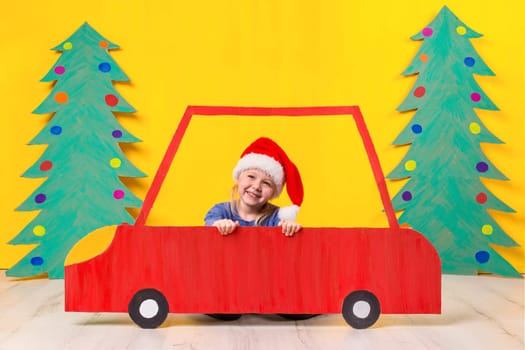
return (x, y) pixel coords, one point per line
(479, 312)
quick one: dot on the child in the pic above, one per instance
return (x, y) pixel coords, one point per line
(259, 176)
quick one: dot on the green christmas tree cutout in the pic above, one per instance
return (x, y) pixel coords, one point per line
(444, 197)
(83, 162)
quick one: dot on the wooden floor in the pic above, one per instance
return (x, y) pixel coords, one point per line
(479, 312)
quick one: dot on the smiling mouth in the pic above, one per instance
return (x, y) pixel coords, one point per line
(253, 194)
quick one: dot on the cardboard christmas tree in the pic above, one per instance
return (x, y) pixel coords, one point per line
(83, 163)
(445, 197)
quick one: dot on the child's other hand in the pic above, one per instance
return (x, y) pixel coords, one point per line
(289, 227)
(226, 226)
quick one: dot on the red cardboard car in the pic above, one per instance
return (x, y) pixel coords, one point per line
(150, 271)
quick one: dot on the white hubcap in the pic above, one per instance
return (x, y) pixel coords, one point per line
(361, 309)
(149, 308)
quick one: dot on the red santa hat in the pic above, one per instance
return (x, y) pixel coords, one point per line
(266, 155)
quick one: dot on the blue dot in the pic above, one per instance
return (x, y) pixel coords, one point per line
(407, 195)
(482, 256)
(469, 61)
(117, 134)
(417, 129)
(104, 67)
(37, 261)
(56, 130)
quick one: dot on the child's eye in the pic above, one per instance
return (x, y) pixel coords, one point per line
(267, 183)
(251, 176)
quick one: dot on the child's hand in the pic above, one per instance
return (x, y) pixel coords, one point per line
(289, 227)
(226, 226)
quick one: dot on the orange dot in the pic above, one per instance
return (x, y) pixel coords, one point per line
(103, 44)
(61, 97)
(423, 57)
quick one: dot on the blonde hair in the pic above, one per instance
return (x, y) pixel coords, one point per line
(266, 211)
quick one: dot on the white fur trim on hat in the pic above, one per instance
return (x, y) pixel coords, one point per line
(264, 163)
(288, 213)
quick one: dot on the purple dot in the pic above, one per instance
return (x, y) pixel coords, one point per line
(482, 167)
(407, 195)
(37, 261)
(60, 70)
(40, 198)
(428, 31)
(482, 256)
(117, 134)
(469, 61)
(118, 194)
(475, 97)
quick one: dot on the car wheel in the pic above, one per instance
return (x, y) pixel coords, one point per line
(361, 309)
(148, 308)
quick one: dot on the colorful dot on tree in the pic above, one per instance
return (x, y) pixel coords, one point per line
(482, 167)
(115, 163)
(482, 256)
(104, 67)
(417, 129)
(474, 128)
(40, 198)
(419, 91)
(476, 97)
(59, 70)
(116, 134)
(423, 57)
(407, 195)
(61, 97)
(410, 165)
(39, 230)
(487, 229)
(481, 198)
(68, 46)
(56, 130)
(103, 44)
(46, 165)
(37, 261)
(111, 100)
(461, 30)
(427, 32)
(469, 61)
(118, 194)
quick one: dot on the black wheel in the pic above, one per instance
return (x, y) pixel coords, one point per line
(148, 308)
(361, 309)
(297, 317)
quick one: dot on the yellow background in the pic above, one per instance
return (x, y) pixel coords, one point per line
(258, 53)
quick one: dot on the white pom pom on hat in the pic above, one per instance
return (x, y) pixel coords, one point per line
(268, 156)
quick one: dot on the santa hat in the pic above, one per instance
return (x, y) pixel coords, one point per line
(266, 155)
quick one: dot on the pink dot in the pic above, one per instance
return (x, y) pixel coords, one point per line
(475, 97)
(427, 31)
(118, 194)
(60, 70)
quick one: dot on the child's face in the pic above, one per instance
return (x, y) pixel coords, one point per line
(255, 187)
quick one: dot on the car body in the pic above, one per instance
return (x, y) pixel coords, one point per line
(361, 272)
